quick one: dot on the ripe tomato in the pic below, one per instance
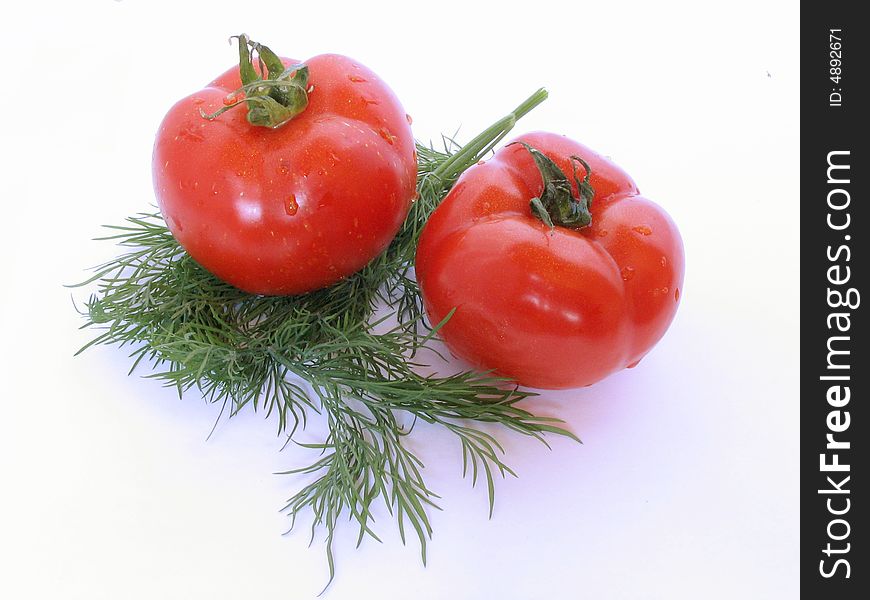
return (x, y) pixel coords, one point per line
(293, 208)
(550, 306)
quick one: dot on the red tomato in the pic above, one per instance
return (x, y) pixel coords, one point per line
(549, 307)
(291, 209)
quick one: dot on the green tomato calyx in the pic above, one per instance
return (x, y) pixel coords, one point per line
(557, 204)
(272, 100)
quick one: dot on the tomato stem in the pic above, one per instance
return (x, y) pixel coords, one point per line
(272, 100)
(474, 150)
(557, 204)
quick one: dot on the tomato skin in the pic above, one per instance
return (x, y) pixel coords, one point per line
(549, 308)
(288, 210)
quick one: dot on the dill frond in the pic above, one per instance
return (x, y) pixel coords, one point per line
(318, 353)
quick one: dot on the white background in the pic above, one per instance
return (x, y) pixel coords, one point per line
(687, 484)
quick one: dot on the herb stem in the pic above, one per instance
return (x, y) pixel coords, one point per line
(474, 150)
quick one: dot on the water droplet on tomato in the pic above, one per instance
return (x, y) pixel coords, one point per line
(290, 205)
(356, 78)
(409, 119)
(602, 233)
(677, 295)
(627, 273)
(634, 364)
(189, 134)
(389, 137)
(176, 224)
(481, 162)
(664, 261)
(642, 229)
(231, 99)
(198, 100)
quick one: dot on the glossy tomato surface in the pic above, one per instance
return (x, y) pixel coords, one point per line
(293, 209)
(549, 308)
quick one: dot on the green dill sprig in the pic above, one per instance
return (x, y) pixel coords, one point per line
(318, 353)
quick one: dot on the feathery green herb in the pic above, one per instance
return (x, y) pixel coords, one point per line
(318, 353)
